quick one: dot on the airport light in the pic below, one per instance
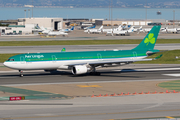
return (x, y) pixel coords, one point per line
(29, 6)
(109, 8)
(173, 17)
(24, 13)
(111, 13)
(29, 13)
(146, 9)
(32, 8)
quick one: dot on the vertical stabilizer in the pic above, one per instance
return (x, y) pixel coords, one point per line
(149, 41)
(72, 28)
(101, 27)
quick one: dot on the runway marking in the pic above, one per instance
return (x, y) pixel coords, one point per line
(7, 77)
(170, 117)
(62, 83)
(90, 114)
(174, 75)
(92, 86)
(132, 70)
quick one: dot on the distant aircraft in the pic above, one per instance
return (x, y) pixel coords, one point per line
(125, 27)
(84, 61)
(109, 31)
(172, 30)
(138, 29)
(146, 30)
(86, 28)
(94, 30)
(54, 33)
(45, 31)
(124, 32)
(67, 30)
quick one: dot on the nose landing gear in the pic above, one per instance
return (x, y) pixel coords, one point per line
(20, 73)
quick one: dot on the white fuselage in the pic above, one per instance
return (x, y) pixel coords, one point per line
(50, 65)
(94, 30)
(51, 33)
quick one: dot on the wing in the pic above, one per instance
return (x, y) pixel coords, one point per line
(102, 62)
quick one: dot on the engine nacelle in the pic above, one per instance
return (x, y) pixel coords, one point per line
(79, 69)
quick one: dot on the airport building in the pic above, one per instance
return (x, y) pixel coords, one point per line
(32, 25)
(49, 23)
(126, 22)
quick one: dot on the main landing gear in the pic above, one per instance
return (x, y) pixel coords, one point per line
(95, 73)
(93, 69)
(20, 73)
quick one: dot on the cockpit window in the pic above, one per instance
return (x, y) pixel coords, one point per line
(10, 60)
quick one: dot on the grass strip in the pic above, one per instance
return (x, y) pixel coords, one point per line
(170, 86)
(169, 57)
(4, 57)
(81, 42)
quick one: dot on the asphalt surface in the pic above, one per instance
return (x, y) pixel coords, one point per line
(140, 106)
(12, 77)
(80, 35)
(57, 48)
(85, 108)
(102, 108)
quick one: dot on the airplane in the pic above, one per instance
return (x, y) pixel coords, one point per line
(67, 30)
(86, 28)
(83, 62)
(45, 31)
(145, 30)
(110, 30)
(124, 32)
(172, 30)
(94, 30)
(54, 33)
(138, 29)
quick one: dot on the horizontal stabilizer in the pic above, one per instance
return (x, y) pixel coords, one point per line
(158, 57)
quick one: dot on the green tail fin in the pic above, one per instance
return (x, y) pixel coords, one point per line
(149, 41)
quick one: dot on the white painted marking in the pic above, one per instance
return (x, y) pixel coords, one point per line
(174, 75)
(16, 71)
(47, 114)
(89, 82)
(148, 69)
(7, 77)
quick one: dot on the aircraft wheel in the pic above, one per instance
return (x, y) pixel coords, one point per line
(21, 73)
(95, 73)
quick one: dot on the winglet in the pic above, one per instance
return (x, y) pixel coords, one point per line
(63, 50)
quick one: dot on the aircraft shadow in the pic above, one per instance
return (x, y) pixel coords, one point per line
(65, 73)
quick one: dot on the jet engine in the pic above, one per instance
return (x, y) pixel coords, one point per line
(79, 69)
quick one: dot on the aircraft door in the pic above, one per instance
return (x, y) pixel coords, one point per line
(134, 54)
(99, 56)
(22, 59)
(54, 59)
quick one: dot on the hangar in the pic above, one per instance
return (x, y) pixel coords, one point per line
(49, 23)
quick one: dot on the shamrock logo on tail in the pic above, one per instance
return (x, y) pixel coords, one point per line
(150, 39)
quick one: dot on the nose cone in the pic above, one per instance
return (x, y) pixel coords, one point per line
(8, 64)
(5, 64)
